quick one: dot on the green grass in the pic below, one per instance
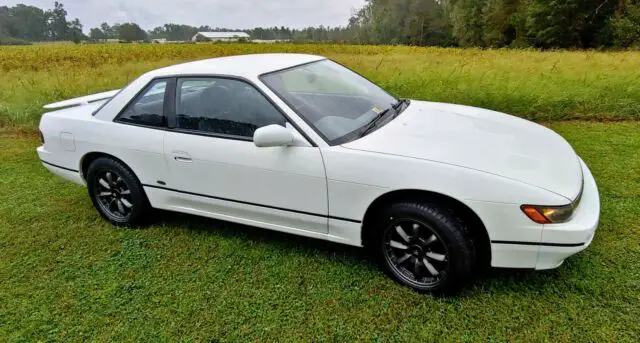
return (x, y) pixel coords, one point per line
(65, 274)
(536, 85)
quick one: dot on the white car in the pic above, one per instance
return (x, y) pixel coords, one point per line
(300, 144)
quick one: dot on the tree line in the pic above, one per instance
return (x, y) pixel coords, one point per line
(466, 23)
(500, 23)
(180, 32)
(22, 23)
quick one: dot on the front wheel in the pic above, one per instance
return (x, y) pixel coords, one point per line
(116, 192)
(425, 247)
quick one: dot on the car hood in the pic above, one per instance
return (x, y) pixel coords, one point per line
(482, 140)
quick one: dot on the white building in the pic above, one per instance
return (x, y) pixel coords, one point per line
(220, 36)
(270, 41)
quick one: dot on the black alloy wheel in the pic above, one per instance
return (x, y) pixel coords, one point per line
(114, 195)
(423, 246)
(413, 249)
(116, 192)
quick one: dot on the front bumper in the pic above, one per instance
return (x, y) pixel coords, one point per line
(569, 238)
(518, 242)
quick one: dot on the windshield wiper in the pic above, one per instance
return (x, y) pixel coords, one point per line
(395, 107)
(374, 121)
(399, 104)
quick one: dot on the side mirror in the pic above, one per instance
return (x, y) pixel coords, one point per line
(272, 135)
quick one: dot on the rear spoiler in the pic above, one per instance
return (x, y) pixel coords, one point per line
(83, 100)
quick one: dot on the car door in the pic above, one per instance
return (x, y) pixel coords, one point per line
(135, 135)
(216, 170)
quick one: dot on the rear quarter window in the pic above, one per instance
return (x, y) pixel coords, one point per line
(148, 107)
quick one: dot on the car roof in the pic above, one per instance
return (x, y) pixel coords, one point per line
(247, 66)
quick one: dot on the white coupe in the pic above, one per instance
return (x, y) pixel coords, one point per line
(300, 144)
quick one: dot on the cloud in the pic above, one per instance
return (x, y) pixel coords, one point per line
(215, 13)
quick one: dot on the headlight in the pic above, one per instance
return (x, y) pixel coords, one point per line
(548, 214)
(551, 214)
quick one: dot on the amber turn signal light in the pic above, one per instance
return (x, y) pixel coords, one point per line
(534, 214)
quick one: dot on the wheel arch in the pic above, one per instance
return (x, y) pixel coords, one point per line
(89, 157)
(138, 196)
(476, 227)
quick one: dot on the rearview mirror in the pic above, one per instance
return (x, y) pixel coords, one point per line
(272, 135)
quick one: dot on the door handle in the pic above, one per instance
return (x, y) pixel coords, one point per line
(181, 156)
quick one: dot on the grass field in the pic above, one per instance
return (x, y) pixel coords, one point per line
(67, 275)
(531, 84)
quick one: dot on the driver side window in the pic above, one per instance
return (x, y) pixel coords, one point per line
(223, 106)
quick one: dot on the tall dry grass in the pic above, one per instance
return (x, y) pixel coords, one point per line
(536, 85)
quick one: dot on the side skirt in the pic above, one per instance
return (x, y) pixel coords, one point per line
(267, 217)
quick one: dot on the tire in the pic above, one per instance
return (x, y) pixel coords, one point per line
(431, 252)
(116, 192)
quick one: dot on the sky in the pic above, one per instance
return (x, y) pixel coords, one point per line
(233, 14)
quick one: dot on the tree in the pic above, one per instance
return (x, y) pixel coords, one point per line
(484, 23)
(466, 21)
(503, 22)
(115, 28)
(5, 17)
(176, 32)
(57, 22)
(28, 22)
(426, 24)
(33, 24)
(415, 22)
(361, 24)
(131, 32)
(75, 31)
(23, 22)
(109, 32)
(157, 32)
(567, 23)
(626, 25)
(96, 34)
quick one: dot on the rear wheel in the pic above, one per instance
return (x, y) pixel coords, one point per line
(116, 192)
(424, 247)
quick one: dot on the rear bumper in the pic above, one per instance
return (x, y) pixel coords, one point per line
(557, 241)
(67, 173)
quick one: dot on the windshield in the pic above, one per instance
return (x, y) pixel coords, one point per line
(334, 100)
